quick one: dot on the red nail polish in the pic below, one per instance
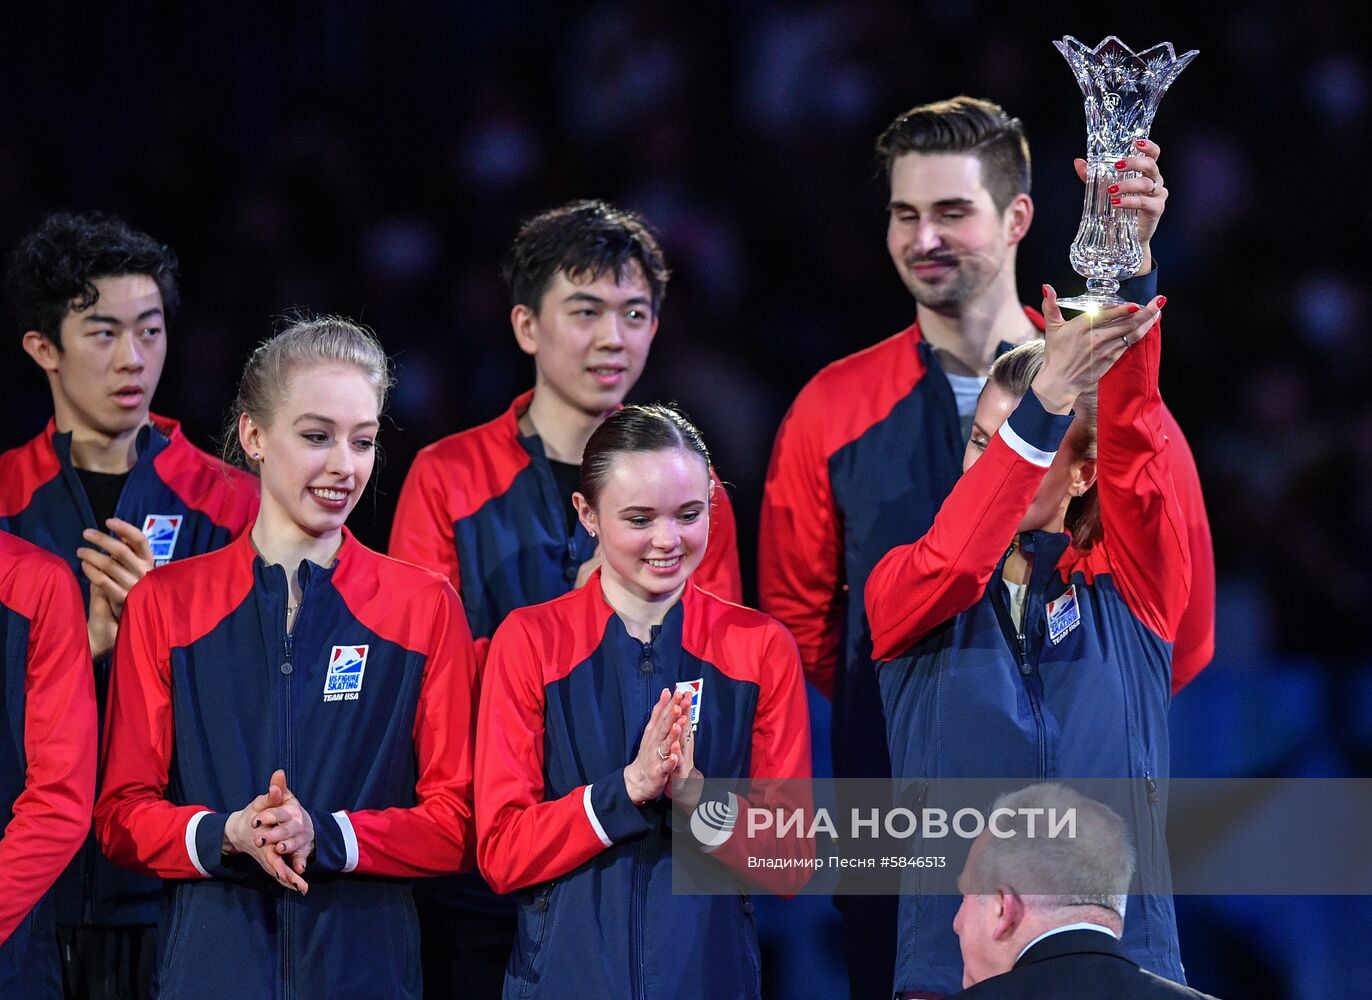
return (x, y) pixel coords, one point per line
(1113, 189)
(1045, 291)
(1140, 143)
(1114, 201)
(1120, 164)
(1133, 307)
(1162, 301)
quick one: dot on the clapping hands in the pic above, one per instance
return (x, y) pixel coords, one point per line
(274, 829)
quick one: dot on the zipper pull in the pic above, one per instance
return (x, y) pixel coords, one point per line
(1152, 788)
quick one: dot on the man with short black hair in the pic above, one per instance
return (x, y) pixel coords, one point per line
(491, 507)
(1042, 914)
(113, 490)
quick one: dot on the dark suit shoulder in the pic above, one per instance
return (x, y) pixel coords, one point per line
(1079, 965)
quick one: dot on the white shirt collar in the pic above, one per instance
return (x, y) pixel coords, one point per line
(1063, 929)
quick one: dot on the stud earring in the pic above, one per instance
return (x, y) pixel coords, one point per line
(591, 532)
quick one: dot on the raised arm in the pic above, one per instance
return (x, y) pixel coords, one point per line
(1145, 534)
(800, 544)
(916, 587)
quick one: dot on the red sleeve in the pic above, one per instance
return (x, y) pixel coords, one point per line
(52, 815)
(1195, 643)
(523, 839)
(916, 587)
(1145, 535)
(719, 571)
(136, 825)
(422, 531)
(800, 550)
(436, 835)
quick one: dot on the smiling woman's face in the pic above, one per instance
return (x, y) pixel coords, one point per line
(652, 518)
(318, 452)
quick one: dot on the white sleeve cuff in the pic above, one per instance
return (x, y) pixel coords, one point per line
(190, 842)
(349, 839)
(1024, 449)
(595, 823)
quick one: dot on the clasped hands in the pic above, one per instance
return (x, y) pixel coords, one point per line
(273, 829)
(666, 755)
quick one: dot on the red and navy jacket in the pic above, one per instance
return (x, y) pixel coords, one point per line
(482, 508)
(565, 699)
(865, 456)
(47, 757)
(1080, 689)
(366, 705)
(186, 502)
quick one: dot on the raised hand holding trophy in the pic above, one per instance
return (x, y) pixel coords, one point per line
(1122, 91)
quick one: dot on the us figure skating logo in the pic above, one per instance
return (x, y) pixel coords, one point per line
(161, 531)
(696, 688)
(343, 680)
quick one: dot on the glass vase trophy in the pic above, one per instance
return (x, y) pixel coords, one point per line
(1122, 91)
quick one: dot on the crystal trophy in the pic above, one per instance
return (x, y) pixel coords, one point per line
(1122, 91)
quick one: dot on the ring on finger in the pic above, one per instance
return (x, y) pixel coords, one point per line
(1154, 189)
(661, 755)
(1125, 340)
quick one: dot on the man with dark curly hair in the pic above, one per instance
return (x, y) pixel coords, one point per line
(114, 490)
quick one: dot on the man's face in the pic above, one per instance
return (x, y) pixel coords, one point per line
(589, 340)
(979, 926)
(943, 232)
(104, 376)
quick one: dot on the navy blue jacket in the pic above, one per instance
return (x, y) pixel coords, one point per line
(188, 502)
(564, 703)
(1081, 689)
(366, 705)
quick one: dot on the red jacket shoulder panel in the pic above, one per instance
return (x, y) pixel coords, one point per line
(206, 587)
(568, 628)
(472, 466)
(223, 493)
(26, 574)
(868, 384)
(24, 469)
(382, 593)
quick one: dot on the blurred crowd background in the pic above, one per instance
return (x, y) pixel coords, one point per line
(375, 160)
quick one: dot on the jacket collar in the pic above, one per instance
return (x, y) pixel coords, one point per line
(917, 336)
(1082, 942)
(156, 434)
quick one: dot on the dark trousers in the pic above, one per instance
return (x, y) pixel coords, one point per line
(869, 943)
(107, 963)
(463, 954)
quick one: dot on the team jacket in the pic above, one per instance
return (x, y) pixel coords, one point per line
(482, 508)
(565, 699)
(867, 453)
(186, 502)
(367, 707)
(47, 757)
(1081, 689)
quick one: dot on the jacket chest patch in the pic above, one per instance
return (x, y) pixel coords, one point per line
(695, 687)
(161, 530)
(343, 680)
(1063, 615)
